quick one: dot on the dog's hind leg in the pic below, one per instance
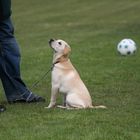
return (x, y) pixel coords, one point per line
(74, 101)
(61, 106)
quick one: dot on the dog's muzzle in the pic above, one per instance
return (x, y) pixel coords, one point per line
(51, 40)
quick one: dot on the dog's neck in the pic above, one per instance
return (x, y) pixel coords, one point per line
(60, 58)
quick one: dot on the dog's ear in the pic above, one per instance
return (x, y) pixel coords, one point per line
(67, 50)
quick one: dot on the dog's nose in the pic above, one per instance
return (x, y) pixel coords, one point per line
(51, 40)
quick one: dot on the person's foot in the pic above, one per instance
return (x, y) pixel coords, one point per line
(32, 98)
(2, 108)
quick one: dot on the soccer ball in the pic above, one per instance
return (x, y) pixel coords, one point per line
(126, 47)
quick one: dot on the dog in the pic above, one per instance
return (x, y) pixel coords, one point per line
(65, 79)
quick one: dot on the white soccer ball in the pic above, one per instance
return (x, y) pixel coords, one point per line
(126, 47)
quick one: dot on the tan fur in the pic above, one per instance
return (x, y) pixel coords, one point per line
(65, 79)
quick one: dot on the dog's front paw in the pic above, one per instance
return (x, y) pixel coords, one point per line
(50, 106)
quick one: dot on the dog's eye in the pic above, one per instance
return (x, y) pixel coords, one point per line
(59, 43)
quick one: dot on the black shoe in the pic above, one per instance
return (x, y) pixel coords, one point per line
(2, 108)
(17, 101)
(32, 98)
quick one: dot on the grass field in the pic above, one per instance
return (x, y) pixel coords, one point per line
(92, 28)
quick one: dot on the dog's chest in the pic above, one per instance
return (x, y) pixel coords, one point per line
(62, 79)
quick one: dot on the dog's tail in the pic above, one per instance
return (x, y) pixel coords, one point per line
(93, 107)
(98, 106)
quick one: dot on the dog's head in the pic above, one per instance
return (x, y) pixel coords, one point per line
(60, 47)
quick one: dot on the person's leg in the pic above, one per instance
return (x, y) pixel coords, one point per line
(14, 87)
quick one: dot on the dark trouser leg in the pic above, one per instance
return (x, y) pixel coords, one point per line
(10, 64)
(15, 89)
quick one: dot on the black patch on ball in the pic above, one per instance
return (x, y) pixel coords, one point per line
(128, 52)
(126, 46)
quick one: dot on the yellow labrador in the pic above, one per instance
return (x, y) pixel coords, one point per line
(65, 79)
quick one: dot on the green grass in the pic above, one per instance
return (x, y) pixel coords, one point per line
(92, 28)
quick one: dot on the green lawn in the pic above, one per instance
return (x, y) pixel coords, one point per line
(92, 28)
